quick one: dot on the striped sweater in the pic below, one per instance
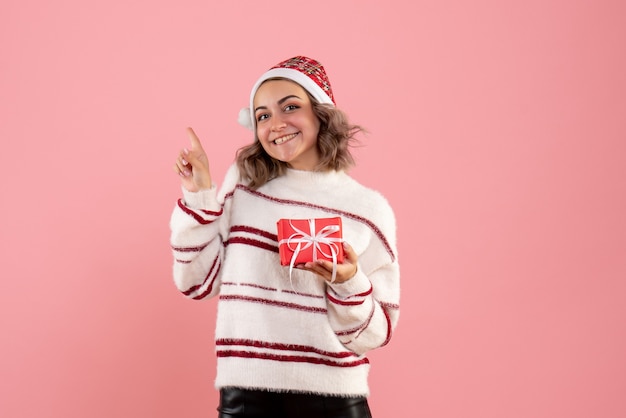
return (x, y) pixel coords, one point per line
(280, 332)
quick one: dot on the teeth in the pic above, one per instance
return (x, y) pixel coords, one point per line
(284, 138)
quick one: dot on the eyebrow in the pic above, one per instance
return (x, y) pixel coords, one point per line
(281, 101)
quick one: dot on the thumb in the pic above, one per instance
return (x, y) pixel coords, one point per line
(349, 253)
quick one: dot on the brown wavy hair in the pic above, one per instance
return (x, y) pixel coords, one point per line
(334, 140)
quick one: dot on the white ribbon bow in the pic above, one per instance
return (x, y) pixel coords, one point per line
(313, 239)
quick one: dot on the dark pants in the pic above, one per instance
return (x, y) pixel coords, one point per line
(239, 403)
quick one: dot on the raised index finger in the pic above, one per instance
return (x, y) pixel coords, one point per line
(195, 142)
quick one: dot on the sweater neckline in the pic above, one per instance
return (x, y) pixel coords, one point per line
(306, 176)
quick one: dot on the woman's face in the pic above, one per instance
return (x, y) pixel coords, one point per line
(286, 125)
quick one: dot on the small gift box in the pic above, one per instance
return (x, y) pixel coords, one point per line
(303, 240)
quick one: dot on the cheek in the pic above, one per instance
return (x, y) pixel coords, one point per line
(315, 125)
(262, 140)
(261, 133)
(314, 121)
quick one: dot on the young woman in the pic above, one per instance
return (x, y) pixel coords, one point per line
(289, 342)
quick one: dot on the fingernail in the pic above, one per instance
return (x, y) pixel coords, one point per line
(184, 162)
(185, 150)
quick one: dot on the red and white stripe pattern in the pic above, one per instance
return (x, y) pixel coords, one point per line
(276, 332)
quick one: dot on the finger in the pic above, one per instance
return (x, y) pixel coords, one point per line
(181, 163)
(349, 253)
(182, 158)
(195, 141)
(317, 268)
(180, 171)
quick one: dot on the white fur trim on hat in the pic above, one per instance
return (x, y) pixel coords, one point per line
(247, 121)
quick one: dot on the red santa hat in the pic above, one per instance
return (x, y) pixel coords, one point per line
(307, 72)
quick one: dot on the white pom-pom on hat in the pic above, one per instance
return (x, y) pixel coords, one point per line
(245, 118)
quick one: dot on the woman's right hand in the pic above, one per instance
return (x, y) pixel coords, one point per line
(193, 166)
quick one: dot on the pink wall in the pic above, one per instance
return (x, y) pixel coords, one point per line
(498, 132)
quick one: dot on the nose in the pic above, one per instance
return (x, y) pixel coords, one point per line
(278, 124)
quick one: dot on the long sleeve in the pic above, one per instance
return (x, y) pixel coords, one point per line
(364, 310)
(197, 245)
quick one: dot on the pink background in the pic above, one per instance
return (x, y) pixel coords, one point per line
(497, 131)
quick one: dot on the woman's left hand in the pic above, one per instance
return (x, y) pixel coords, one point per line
(345, 270)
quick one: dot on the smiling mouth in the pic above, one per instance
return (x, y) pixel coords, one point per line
(285, 138)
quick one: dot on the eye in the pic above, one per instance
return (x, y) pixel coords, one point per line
(291, 107)
(262, 117)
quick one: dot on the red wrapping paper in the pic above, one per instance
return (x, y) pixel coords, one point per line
(303, 240)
